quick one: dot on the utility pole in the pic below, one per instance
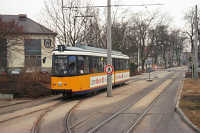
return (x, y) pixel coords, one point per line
(109, 48)
(195, 51)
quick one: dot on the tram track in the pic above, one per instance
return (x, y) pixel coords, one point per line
(107, 121)
(36, 126)
(25, 112)
(84, 120)
(139, 119)
(150, 107)
(120, 109)
(70, 103)
(67, 125)
(11, 108)
(67, 118)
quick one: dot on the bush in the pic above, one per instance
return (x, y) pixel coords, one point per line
(32, 85)
(133, 69)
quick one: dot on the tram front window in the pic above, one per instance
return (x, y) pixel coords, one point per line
(72, 65)
(64, 65)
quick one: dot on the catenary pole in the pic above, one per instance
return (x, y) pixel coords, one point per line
(109, 48)
(195, 61)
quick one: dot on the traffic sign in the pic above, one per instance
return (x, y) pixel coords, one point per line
(109, 69)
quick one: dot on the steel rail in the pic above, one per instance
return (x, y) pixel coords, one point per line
(36, 126)
(109, 119)
(68, 116)
(130, 129)
(93, 130)
(44, 101)
(144, 113)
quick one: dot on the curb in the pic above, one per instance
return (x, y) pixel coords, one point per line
(6, 96)
(7, 105)
(180, 112)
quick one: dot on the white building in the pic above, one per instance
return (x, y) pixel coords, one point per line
(30, 50)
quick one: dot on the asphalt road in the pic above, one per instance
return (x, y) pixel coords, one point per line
(162, 118)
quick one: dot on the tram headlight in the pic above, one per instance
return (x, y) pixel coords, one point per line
(59, 83)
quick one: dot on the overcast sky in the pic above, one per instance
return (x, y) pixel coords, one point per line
(174, 8)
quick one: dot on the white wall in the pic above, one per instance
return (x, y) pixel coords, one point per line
(16, 52)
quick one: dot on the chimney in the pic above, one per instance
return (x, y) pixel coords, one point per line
(22, 17)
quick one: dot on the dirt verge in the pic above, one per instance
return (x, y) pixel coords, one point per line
(190, 100)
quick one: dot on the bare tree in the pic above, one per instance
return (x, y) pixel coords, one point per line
(8, 31)
(142, 24)
(177, 44)
(189, 18)
(70, 22)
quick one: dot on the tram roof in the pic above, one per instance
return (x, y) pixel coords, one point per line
(87, 50)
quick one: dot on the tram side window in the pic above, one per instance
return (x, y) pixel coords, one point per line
(86, 64)
(120, 64)
(123, 64)
(72, 64)
(96, 64)
(126, 62)
(101, 64)
(92, 64)
(83, 63)
(115, 64)
(104, 63)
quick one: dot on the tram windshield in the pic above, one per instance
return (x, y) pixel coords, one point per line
(64, 65)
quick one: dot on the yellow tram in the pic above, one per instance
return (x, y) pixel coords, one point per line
(80, 69)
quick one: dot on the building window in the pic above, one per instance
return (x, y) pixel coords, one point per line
(32, 50)
(47, 43)
(33, 60)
